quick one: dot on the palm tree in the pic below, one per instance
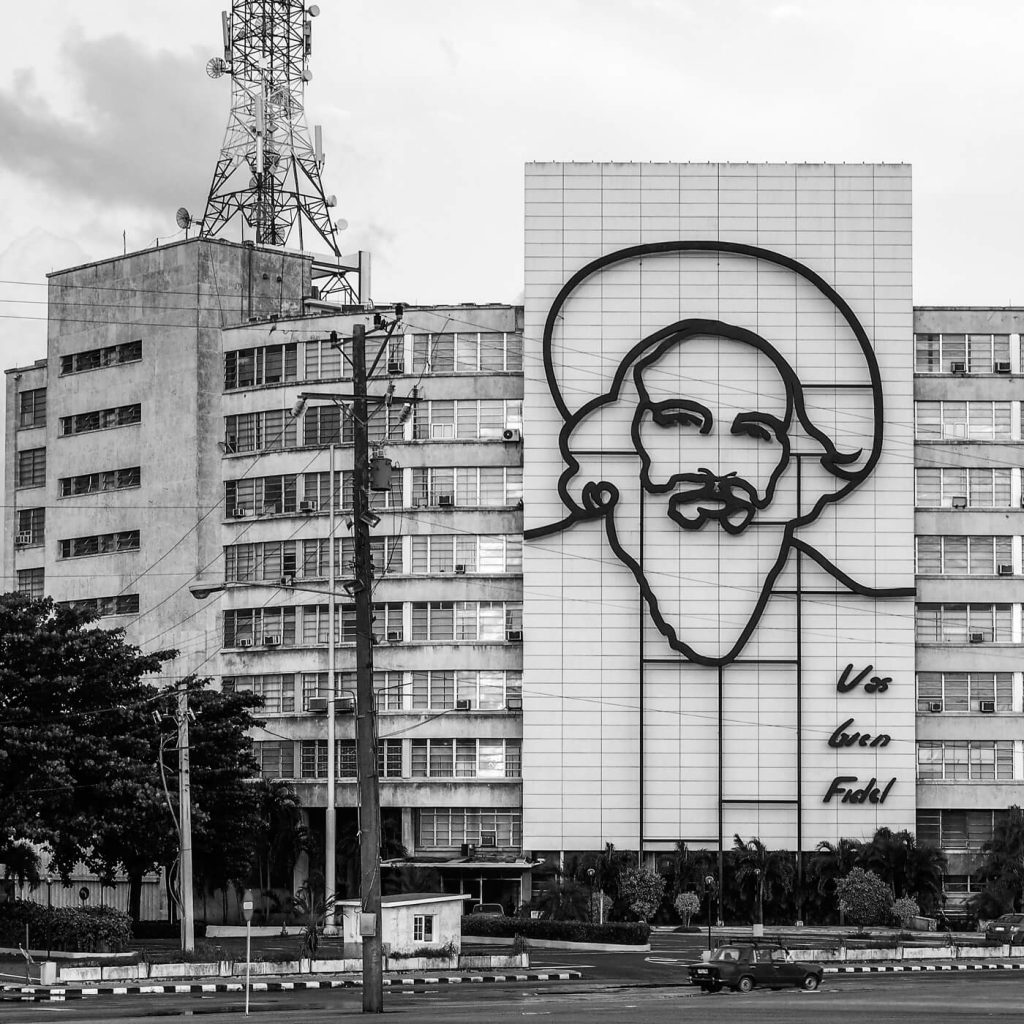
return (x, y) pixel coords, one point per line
(766, 868)
(832, 861)
(908, 869)
(1003, 868)
(281, 837)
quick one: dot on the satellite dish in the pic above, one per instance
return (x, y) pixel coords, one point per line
(307, 75)
(331, 200)
(216, 66)
(341, 224)
(183, 218)
(313, 10)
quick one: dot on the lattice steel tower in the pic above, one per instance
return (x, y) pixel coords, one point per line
(268, 173)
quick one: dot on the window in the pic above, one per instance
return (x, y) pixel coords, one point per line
(964, 760)
(100, 544)
(120, 604)
(487, 486)
(963, 556)
(324, 358)
(271, 561)
(277, 690)
(962, 421)
(92, 483)
(964, 691)
(276, 758)
(268, 431)
(468, 758)
(31, 527)
(957, 486)
(247, 627)
(94, 358)
(262, 495)
(446, 827)
(482, 621)
(423, 928)
(959, 353)
(467, 352)
(441, 553)
(465, 419)
(963, 623)
(488, 690)
(101, 419)
(389, 759)
(957, 830)
(32, 408)
(389, 690)
(434, 690)
(313, 759)
(271, 364)
(31, 582)
(31, 468)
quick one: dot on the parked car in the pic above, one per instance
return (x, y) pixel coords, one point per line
(1008, 928)
(492, 909)
(742, 966)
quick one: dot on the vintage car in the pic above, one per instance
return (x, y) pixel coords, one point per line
(742, 966)
(1009, 928)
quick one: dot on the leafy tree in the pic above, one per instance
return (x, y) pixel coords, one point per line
(562, 898)
(865, 898)
(909, 869)
(642, 890)
(832, 862)
(280, 836)
(905, 909)
(687, 904)
(410, 878)
(766, 871)
(1002, 870)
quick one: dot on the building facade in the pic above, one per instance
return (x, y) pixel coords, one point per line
(769, 582)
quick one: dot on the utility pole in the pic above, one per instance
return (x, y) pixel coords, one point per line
(188, 925)
(366, 726)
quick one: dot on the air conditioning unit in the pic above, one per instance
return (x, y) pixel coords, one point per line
(1002, 366)
(489, 839)
(513, 634)
(957, 367)
(344, 705)
(511, 435)
(988, 707)
(463, 705)
(271, 510)
(307, 506)
(460, 568)
(287, 581)
(935, 705)
(445, 500)
(318, 705)
(239, 511)
(243, 641)
(1005, 569)
(958, 501)
(22, 539)
(394, 636)
(513, 703)
(272, 640)
(396, 366)
(977, 638)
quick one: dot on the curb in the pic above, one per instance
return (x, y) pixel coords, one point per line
(60, 993)
(923, 968)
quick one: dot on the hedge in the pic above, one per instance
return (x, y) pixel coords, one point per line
(164, 930)
(628, 933)
(73, 929)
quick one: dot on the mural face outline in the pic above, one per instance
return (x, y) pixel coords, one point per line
(698, 495)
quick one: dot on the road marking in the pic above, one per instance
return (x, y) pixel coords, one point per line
(667, 960)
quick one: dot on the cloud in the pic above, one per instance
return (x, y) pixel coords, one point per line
(147, 131)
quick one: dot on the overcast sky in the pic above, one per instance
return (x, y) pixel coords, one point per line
(108, 123)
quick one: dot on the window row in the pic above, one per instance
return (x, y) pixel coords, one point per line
(100, 544)
(964, 556)
(308, 559)
(443, 553)
(32, 408)
(101, 419)
(963, 421)
(108, 480)
(318, 359)
(30, 527)
(120, 604)
(30, 468)
(956, 829)
(449, 758)
(447, 827)
(463, 486)
(962, 487)
(963, 623)
(273, 430)
(108, 355)
(31, 582)
(962, 353)
(965, 760)
(964, 691)
(466, 418)
(433, 621)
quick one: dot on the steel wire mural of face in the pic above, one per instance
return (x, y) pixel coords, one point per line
(704, 455)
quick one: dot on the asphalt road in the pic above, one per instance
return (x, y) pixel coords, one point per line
(883, 999)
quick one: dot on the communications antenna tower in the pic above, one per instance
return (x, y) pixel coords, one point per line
(268, 172)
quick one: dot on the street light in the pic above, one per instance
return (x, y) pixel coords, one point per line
(49, 912)
(590, 877)
(709, 884)
(247, 904)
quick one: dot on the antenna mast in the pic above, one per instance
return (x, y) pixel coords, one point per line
(268, 172)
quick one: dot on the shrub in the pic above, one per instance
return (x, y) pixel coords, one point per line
(864, 897)
(164, 929)
(642, 891)
(635, 933)
(75, 929)
(904, 909)
(687, 904)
